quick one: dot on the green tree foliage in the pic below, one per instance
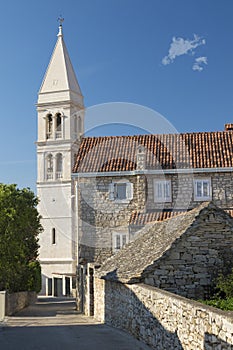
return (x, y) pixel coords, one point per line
(19, 229)
(224, 285)
(223, 297)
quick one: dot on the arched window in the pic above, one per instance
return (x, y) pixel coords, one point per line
(53, 235)
(58, 132)
(49, 167)
(49, 126)
(59, 166)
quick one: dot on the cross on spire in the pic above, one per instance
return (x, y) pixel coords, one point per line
(60, 20)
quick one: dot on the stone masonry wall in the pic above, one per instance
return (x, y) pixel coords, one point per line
(18, 301)
(192, 263)
(182, 190)
(161, 319)
(99, 216)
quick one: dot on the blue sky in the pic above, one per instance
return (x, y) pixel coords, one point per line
(173, 56)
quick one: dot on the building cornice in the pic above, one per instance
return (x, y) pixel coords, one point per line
(153, 172)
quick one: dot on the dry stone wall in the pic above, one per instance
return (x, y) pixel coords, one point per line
(161, 319)
(191, 265)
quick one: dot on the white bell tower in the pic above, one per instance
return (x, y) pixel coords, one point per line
(60, 125)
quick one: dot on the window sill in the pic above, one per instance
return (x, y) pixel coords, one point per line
(119, 201)
(162, 201)
(202, 199)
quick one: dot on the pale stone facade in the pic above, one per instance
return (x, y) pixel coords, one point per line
(100, 217)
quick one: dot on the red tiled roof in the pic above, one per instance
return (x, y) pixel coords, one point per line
(141, 219)
(171, 151)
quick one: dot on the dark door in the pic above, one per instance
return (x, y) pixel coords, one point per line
(50, 291)
(57, 287)
(91, 289)
(68, 292)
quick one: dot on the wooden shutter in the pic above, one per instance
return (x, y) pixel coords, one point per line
(111, 192)
(129, 190)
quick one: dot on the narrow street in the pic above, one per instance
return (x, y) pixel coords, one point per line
(54, 324)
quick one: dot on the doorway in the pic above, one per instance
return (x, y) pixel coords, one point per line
(57, 287)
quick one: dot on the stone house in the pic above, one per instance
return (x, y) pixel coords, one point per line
(143, 287)
(182, 255)
(124, 182)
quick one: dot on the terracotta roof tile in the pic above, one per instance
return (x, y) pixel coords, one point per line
(171, 151)
(140, 219)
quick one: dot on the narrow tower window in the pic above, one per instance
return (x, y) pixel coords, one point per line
(75, 127)
(49, 167)
(58, 131)
(59, 166)
(53, 236)
(79, 125)
(49, 126)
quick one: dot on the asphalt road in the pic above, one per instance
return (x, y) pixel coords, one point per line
(53, 324)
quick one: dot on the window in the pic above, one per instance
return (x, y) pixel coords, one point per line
(49, 126)
(202, 189)
(79, 125)
(162, 191)
(59, 166)
(49, 168)
(53, 236)
(75, 127)
(119, 240)
(121, 191)
(58, 133)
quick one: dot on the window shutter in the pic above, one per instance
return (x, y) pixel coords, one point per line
(129, 191)
(167, 190)
(111, 192)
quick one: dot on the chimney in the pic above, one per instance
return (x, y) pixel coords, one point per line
(229, 127)
(141, 157)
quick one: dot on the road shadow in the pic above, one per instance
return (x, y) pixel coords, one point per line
(49, 307)
(72, 337)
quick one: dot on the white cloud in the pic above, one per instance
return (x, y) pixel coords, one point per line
(198, 64)
(180, 46)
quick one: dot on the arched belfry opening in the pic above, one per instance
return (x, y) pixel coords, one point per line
(58, 126)
(49, 167)
(59, 166)
(49, 126)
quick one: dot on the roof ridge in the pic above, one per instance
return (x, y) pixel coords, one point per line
(163, 134)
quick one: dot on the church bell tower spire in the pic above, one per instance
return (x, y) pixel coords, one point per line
(60, 125)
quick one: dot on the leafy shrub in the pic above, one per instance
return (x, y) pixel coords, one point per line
(223, 297)
(223, 304)
(34, 276)
(224, 285)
